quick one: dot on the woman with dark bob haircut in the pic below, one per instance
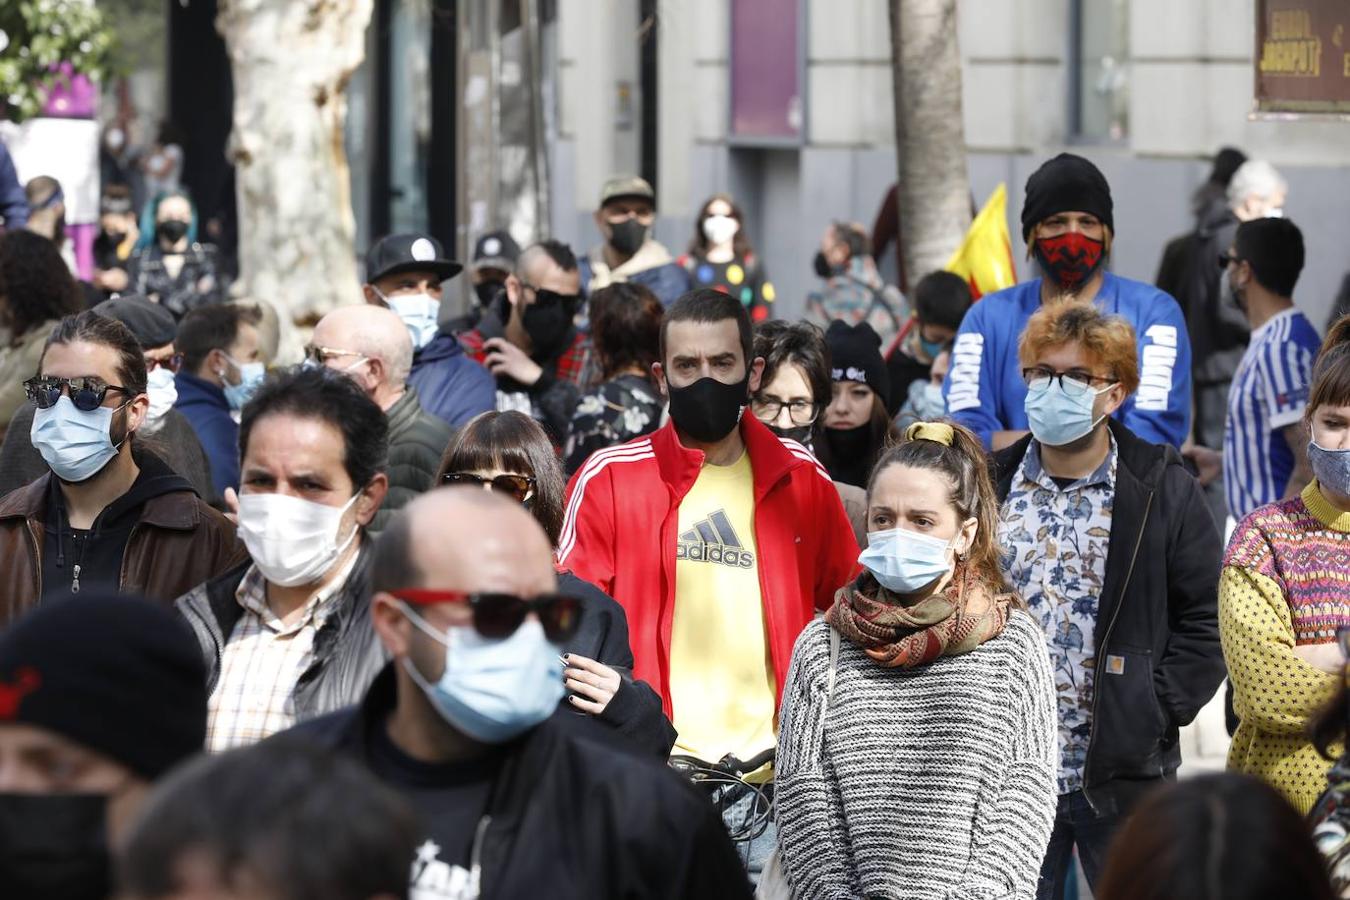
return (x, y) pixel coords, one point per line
(508, 452)
(1215, 837)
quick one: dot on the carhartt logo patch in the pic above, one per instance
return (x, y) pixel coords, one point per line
(1115, 665)
(714, 541)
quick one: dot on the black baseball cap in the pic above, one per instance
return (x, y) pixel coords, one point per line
(495, 250)
(152, 324)
(408, 253)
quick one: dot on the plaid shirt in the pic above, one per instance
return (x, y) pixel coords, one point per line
(574, 365)
(261, 663)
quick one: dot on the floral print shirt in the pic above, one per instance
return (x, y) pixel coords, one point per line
(619, 410)
(1055, 541)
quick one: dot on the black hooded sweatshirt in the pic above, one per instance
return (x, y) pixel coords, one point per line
(95, 555)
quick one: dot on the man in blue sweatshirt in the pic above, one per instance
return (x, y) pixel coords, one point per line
(404, 273)
(1067, 223)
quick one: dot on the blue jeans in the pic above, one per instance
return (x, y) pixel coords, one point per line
(744, 813)
(1076, 825)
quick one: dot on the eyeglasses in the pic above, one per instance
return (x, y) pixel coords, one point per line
(544, 297)
(86, 392)
(497, 616)
(521, 487)
(768, 409)
(1038, 378)
(321, 355)
(172, 363)
(1227, 259)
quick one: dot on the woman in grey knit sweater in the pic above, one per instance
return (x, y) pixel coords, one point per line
(921, 764)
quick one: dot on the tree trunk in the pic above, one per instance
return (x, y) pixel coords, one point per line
(930, 142)
(291, 60)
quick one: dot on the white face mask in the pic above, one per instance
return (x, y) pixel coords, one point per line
(162, 390)
(720, 229)
(292, 541)
(418, 311)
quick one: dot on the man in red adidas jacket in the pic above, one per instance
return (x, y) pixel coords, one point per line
(719, 539)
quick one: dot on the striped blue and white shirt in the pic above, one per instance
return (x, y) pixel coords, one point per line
(1269, 393)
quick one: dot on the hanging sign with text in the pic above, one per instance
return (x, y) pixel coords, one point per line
(1302, 60)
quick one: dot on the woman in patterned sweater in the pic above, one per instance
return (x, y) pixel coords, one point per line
(1283, 594)
(917, 753)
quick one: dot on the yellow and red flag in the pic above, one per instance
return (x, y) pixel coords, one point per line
(985, 258)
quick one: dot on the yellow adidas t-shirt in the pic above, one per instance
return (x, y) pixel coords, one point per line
(721, 681)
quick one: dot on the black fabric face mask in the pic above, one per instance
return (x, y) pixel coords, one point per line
(54, 845)
(627, 236)
(548, 321)
(171, 231)
(850, 446)
(486, 292)
(822, 265)
(115, 237)
(708, 410)
(799, 433)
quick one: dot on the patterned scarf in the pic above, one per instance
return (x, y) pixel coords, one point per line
(965, 614)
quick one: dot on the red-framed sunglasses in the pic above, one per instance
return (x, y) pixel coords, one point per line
(497, 616)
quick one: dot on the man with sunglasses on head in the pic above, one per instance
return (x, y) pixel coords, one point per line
(108, 514)
(173, 439)
(529, 342)
(371, 346)
(286, 635)
(404, 273)
(518, 798)
(1110, 542)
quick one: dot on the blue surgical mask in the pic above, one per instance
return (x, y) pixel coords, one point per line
(492, 690)
(1059, 415)
(250, 376)
(925, 398)
(75, 444)
(905, 561)
(931, 349)
(1332, 467)
(419, 312)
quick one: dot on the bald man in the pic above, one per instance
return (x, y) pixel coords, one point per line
(372, 346)
(517, 801)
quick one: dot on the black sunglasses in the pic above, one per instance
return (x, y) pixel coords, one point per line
(545, 297)
(497, 616)
(521, 487)
(1227, 259)
(86, 392)
(172, 363)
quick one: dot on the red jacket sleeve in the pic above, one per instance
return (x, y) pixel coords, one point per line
(586, 545)
(837, 551)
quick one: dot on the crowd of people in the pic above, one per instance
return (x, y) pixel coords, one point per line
(620, 585)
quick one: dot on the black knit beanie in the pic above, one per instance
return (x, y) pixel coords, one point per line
(1063, 184)
(855, 355)
(116, 674)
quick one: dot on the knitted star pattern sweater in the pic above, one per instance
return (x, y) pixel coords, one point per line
(1285, 583)
(931, 782)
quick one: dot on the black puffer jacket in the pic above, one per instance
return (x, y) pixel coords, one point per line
(1157, 615)
(417, 440)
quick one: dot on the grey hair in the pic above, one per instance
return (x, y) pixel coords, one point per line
(1255, 177)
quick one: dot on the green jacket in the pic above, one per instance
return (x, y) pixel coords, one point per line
(417, 441)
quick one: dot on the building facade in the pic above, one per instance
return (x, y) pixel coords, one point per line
(1148, 89)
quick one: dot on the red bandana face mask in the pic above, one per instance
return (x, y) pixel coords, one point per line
(1069, 259)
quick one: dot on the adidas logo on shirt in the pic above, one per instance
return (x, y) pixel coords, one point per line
(714, 541)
